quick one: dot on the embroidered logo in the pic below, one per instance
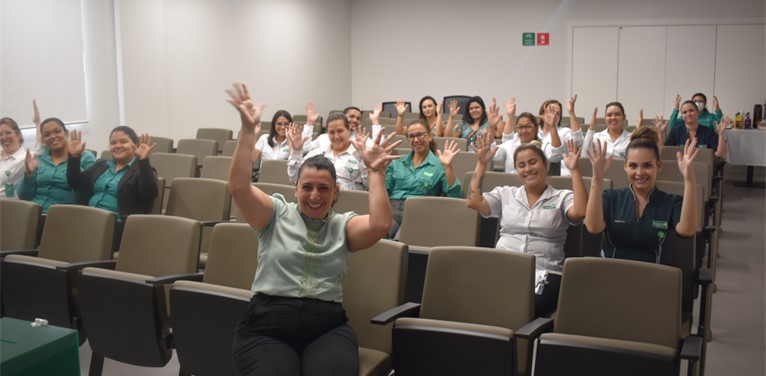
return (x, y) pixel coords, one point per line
(660, 224)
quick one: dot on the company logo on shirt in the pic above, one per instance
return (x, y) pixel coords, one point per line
(660, 224)
(551, 206)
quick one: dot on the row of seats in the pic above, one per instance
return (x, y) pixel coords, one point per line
(476, 303)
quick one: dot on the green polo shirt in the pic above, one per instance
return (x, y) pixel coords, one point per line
(645, 238)
(48, 185)
(429, 179)
(105, 188)
(705, 119)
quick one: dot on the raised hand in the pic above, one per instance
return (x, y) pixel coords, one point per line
(401, 107)
(593, 120)
(295, 137)
(439, 108)
(311, 114)
(453, 108)
(450, 150)
(483, 148)
(678, 101)
(716, 105)
(510, 106)
(572, 156)
(661, 124)
(640, 119)
(493, 113)
(598, 159)
(144, 148)
(375, 114)
(249, 112)
(36, 116)
(75, 147)
(30, 163)
(571, 104)
(378, 156)
(686, 159)
(549, 117)
(721, 127)
(361, 135)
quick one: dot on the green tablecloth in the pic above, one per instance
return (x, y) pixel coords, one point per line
(47, 350)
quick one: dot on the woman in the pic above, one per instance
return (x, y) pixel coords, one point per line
(45, 178)
(526, 131)
(124, 185)
(423, 172)
(12, 158)
(351, 173)
(554, 136)
(637, 218)
(354, 116)
(274, 145)
(534, 217)
(474, 124)
(295, 323)
(706, 118)
(430, 112)
(615, 136)
(706, 137)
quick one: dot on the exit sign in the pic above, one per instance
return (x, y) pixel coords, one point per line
(532, 39)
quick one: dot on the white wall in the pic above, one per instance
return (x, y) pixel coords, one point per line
(409, 49)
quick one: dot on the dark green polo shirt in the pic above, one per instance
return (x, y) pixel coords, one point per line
(645, 238)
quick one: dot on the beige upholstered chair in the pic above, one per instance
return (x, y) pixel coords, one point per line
(19, 219)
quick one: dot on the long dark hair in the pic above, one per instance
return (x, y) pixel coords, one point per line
(467, 113)
(420, 105)
(273, 130)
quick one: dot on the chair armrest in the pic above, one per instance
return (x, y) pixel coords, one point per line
(103, 264)
(534, 328)
(709, 228)
(406, 309)
(691, 349)
(24, 252)
(704, 276)
(165, 279)
(212, 223)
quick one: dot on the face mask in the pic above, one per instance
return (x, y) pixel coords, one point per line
(700, 106)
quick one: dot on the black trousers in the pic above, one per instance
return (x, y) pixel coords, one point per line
(546, 303)
(293, 336)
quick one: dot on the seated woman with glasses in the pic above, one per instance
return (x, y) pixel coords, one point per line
(275, 144)
(526, 131)
(423, 172)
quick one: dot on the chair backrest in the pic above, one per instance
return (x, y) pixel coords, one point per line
(479, 285)
(356, 201)
(274, 171)
(107, 155)
(462, 102)
(462, 143)
(373, 284)
(670, 172)
(171, 166)
(19, 224)
(464, 162)
(219, 135)
(228, 148)
(158, 245)
(620, 299)
(565, 182)
(586, 168)
(434, 221)
(199, 199)
(157, 204)
(216, 167)
(76, 233)
(164, 145)
(492, 179)
(390, 107)
(677, 188)
(617, 174)
(198, 148)
(233, 256)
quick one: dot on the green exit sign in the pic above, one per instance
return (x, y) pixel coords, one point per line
(528, 39)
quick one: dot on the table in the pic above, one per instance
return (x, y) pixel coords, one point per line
(747, 147)
(46, 350)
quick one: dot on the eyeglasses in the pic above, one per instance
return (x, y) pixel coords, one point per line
(281, 124)
(419, 136)
(524, 127)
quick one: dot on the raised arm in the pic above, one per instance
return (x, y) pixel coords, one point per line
(662, 127)
(296, 140)
(449, 130)
(439, 131)
(594, 212)
(74, 175)
(485, 152)
(510, 110)
(576, 213)
(255, 205)
(494, 118)
(723, 143)
(365, 230)
(674, 120)
(445, 157)
(551, 112)
(687, 225)
(574, 123)
(401, 108)
(590, 134)
(36, 121)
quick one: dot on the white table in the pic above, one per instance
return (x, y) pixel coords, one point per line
(747, 147)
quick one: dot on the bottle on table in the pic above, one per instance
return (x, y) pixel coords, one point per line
(738, 121)
(748, 121)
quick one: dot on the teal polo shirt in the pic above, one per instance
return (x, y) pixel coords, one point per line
(48, 185)
(706, 137)
(105, 188)
(645, 238)
(705, 119)
(429, 179)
